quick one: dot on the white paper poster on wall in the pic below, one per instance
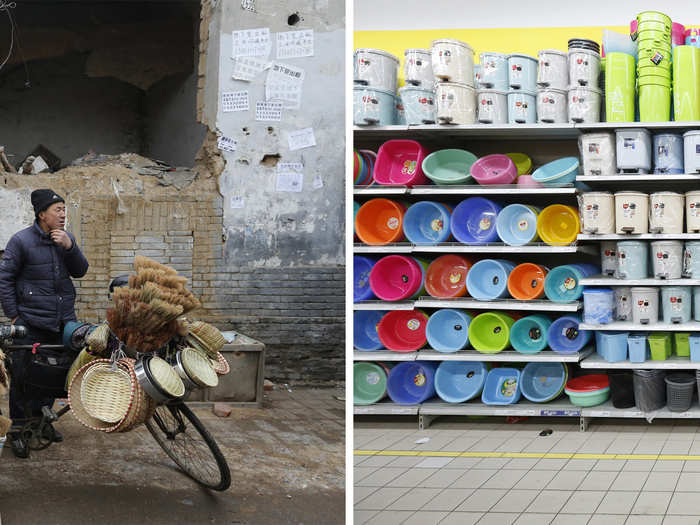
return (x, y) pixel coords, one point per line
(268, 111)
(227, 144)
(251, 43)
(284, 82)
(247, 68)
(302, 138)
(295, 44)
(235, 101)
(290, 181)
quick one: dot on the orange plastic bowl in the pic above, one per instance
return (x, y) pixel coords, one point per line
(447, 276)
(380, 221)
(526, 281)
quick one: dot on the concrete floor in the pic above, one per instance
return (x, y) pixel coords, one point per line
(287, 465)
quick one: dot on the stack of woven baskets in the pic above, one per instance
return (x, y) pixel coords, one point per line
(114, 386)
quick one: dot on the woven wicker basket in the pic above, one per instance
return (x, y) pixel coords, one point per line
(199, 368)
(221, 366)
(166, 376)
(76, 402)
(195, 342)
(208, 334)
(83, 358)
(143, 407)
(107, 394)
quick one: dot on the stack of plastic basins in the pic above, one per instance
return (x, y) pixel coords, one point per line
(654, 66)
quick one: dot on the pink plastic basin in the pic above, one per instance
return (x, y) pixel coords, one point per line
(396, 277)
(400, 162)
(528, 181)
(494, 169)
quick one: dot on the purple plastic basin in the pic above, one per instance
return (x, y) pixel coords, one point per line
(494, 169)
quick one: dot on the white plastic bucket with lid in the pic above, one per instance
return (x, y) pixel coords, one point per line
(584, 67)
(494, 71)
(553, 69)
(676, 304)
(584, 104)
(418, 67)
(492, 105)
(633, 147)
(456, 103)
(552, 105)
(692, 211)
(691, 260)
(418, 104)
(522, 72)
(691, 151)
(522, 107)
(598, 153)
(666, 212)
(668, 153)
(645, 305)
(376, 68)
(631, 212)
(453, 61)
(632, 260)
(373, 106)
(667, 259)
(608, 258)
(598, 212)
(623, 303)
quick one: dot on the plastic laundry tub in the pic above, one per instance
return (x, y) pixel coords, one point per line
(449, 166)
(494, 70)
(543, 382)
(516, 224)
(681, 344)
(631, 212)
(427, 223)
(660, 346)
(552, 105)
(632, 260)
(453, 61)
(529, 334)
(633, 148)
(412, 382)
(563, 283)
(492, 106)
(558, 225)
(522, 162)
(598, 153)
(691, 260)
(612, 346)
(623, 303)
(598, 212)
(456, 103)
(369, 383)
(473, 221)
(458, 381)
(638, 347)
(379, 222)
(403, 330)
(692, 211)
(418, 67)
(560, 171)
(365, 337)
(375, 68)
(447, 276)
(621, 388)
(502, 387)
(565, 337)
(676, 304)
(598, 306)
(691, 151)
(668, 152)
(649, 389)
(666, 212)
(679, 391)
(397, 277)
(494, 169)
(645, 305)
(372, 106)
(400, 162)
(667, 259)
(488, 279)
(589, 390)
(584, 67)
(584, 104)
(419, 105)
(608, 258)
(362, 266)
(526, 281)
(489, 333)
(522, 72)
(448, 330)
(553, 70)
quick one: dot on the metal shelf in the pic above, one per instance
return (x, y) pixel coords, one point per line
(608, 410)
(473, 189)
(386, 408)
(455, 247)
(383, 305)
(673, 363)
(639, 237)
(507, 356)
(600, 280)
(648, 125)
(625, 326)
(656, 178)
(379, 190)
(538, 305)
(403, 247)
(480, 131)
(561, 407)
(384, 355)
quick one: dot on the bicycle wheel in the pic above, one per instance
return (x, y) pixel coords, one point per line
(183, 437)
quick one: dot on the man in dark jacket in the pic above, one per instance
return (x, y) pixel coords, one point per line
(36, 291)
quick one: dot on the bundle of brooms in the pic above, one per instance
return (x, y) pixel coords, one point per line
(145, 313)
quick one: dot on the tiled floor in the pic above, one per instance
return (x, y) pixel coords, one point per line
(648, 474)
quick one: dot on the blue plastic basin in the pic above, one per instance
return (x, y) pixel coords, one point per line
(560, 171)
(543, 382)
(412, 382)
(516, 224)
(460, 381)
(563, 283)
(502, 387)
(362, 266)
(488, 279)
(565, 337)
(448, 330)
(474, 221)
(364, 329)
(427, 223)
(529, 334)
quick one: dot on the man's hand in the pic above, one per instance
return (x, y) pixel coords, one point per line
(61, 238)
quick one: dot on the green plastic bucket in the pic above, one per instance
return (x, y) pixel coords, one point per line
(619, 87)
(660, 346)
(648, 78)
(686, 91)
(489, 333)
(681, 344)
(653, 16)
(369, 383)
(654, 102)
(660, 36)
(655, 26)
(655, 57)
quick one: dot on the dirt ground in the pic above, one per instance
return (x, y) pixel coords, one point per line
(287, 465)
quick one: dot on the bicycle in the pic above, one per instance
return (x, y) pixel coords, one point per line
(176, 429)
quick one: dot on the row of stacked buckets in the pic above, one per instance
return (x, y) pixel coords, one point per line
(450, 330)
(409, 163)
(475, 220)
(628, 260)
(404, 277)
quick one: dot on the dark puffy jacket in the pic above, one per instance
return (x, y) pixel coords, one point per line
(35, 279)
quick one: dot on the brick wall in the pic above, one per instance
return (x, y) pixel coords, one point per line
(297, 312)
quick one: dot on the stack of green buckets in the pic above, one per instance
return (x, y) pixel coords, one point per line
(654, 66)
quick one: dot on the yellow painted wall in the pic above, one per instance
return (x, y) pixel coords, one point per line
(506, 40)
